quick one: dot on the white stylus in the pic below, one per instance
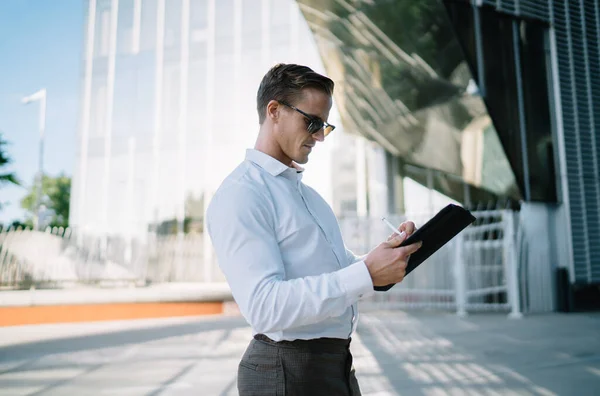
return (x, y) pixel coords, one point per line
(391, 226)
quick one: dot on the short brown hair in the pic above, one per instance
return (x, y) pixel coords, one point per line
(285, 82)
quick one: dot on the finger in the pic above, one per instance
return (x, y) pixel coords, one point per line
(408, 227)
(397, 239)
(410, 249)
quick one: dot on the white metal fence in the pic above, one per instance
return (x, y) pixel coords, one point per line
(57, 256)
(475, 271)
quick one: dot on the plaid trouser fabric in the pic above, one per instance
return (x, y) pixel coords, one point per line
(296, 368)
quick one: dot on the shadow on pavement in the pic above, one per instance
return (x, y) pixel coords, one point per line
(482, 354)
(113, 338)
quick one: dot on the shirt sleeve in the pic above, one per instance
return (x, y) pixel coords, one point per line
(353, 258)
(243, 235)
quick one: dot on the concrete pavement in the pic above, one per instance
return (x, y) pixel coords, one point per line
(396, 353)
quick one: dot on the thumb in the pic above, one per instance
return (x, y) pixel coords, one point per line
(397, 240)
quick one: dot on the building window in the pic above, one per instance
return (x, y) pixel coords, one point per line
(148, 25)
(98, 111)
(104, 33)
(173, 9)
(501, 66)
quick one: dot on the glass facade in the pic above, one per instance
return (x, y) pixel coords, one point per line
(169, 107)
(480, 100)
(408, 86)
(506, 43)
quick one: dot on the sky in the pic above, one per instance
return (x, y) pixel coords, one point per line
(41, 44)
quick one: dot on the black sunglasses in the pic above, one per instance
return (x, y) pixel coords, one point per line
(314, 124)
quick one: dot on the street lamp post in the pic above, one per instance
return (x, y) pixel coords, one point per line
(41, 97)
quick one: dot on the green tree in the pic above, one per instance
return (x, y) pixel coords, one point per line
(5, 160)
(56, 197)
(193, 221)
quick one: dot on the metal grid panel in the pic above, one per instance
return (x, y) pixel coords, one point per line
(577, 28)
(578, 59)
(592, 10)
(591, 22)
(571, 136)
(525, 8)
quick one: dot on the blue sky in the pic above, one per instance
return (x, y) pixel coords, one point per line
(41, 43)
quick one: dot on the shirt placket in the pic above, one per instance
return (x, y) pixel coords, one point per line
(331, 245)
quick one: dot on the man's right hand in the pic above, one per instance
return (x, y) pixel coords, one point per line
(387, 262)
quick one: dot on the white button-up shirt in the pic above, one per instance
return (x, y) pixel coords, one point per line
(280, 248)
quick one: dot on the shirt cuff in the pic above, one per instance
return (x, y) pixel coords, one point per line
(356, 281)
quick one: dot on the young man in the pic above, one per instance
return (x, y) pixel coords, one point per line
(280, 247)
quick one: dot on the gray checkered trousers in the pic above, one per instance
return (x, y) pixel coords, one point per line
(296, 368)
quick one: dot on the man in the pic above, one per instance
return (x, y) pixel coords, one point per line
(280, 247)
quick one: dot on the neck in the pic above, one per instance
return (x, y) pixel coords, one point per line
(267, 144)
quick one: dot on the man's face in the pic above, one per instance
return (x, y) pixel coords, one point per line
(295, 141)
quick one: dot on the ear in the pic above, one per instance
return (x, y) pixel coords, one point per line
(273, 108)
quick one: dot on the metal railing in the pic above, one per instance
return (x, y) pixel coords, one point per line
(26, 257)
(59, 257)
(476, 271)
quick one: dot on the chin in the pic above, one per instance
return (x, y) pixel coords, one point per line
(301, 160)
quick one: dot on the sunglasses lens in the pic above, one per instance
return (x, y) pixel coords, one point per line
(328, 129)
(315, 126)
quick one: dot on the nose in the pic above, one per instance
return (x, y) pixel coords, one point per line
(319, 136)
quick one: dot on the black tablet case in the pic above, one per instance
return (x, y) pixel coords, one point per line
(434, 234)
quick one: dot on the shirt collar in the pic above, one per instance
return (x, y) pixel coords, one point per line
(270, 164)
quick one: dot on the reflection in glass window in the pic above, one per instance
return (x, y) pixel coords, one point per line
(196, 101)
(98, 109)
(500, 66)
(251, 25)
(198, 50)
(224, 94)
(102, 32)
(280, 23)
(124, 102)
(198, 22)
(279, 53)
(120, 148)
(496, 174)
(148, 25)
(224, 18)
(93, 199)
(234, 122)
(224, 27)
(253, 73)
(280, 13)
(95, 147)
(535, 68)
(172, 23)
(125, 26)
(144, 100)
(170, 103)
